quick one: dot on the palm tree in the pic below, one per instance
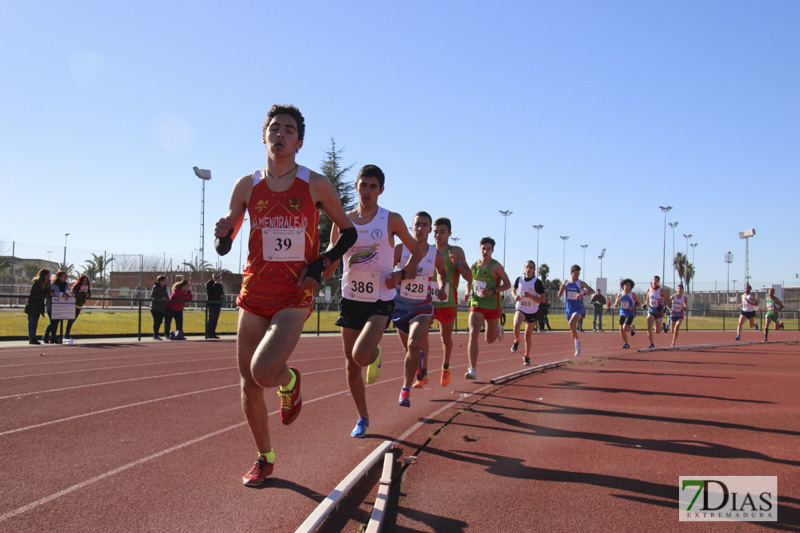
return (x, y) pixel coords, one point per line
(544, 271)
(198, 266)
(679, 264)
(30, 270)
(95, 267)
(69, 269)
(689, 275)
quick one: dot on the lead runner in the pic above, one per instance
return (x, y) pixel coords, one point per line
(283, 267)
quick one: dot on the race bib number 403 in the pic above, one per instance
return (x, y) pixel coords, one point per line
(283, 244)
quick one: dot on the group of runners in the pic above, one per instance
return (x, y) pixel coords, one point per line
(389, 274)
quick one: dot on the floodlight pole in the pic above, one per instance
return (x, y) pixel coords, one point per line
(746, 234)
(204, 175)
(666, 210)
(65, 251)
(600, 257)
(583, 266)
(505, 214)
(693, 245)
(673, 225)
(728, 261)
(537, 227)
(564, 257)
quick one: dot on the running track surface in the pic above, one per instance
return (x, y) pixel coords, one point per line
(150, 436)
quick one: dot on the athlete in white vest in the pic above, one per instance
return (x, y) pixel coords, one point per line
(749, 306)
(677, 308)
(413, 305)
(655, 298)
(528, 292)
(368, 285)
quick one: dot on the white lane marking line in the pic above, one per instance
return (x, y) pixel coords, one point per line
(111, 409)
(101, 477)
(117, 382)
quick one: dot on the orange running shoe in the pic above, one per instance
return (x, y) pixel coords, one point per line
(445, 377)
(259, 473)
(291, 401)
(420, 381)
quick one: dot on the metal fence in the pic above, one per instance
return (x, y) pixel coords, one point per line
(130, 317)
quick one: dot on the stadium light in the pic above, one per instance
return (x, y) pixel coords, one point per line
(505, 214)
(600, 257)
(65, 251)
(673, 225)
(666, 210)
(204, 175)
(564, 257)
(537, 227)
(746, 235)
(728, 261)
(583, 266)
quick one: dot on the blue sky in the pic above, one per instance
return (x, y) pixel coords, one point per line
(581, 116)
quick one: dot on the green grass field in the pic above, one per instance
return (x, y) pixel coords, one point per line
(126, 322)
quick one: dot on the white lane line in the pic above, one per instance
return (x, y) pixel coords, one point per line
(33, 505)
(168, 362)
(101, 477)
(102, 411)
(117, 382)
(102, 368)
(111, 409)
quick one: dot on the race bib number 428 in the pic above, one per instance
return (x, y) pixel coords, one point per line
(414, 289)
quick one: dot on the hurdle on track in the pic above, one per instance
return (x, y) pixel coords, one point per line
(331, 502)
(382, 500)
(526, 371)
(704, 346)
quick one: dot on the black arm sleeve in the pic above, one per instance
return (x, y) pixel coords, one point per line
(223, 244)
(347, 238)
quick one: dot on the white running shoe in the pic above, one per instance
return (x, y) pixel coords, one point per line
(471, 374)
(577, 349)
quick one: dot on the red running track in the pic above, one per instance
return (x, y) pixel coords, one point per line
(150, 436)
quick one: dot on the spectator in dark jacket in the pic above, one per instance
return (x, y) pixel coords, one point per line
(215, 294)
(598, 301)
(58, 289)
(158, 306)
(40, 290)
(81, 291)
(181, 293)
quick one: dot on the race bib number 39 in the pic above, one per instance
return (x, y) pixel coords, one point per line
(283, 244)
(362, 286)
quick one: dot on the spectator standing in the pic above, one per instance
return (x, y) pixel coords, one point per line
(181, 293)
(158, 305)
(58, 289)
(598, 301)
(40, 290)
(544, 322)
(81, 291)
(215, 294)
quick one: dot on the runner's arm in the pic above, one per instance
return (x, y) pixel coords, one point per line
(461, 265)
(398, 227)
(227, 228)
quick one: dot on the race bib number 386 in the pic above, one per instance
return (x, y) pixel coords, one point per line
(283, 244)
(362, 286)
